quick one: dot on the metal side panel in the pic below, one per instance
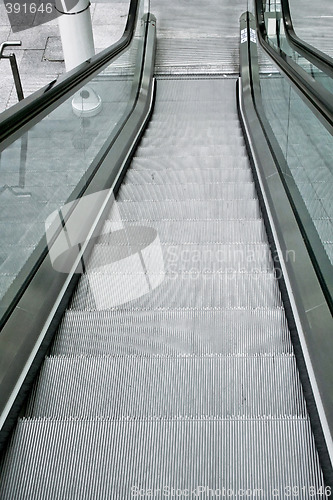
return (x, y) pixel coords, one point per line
(308, 313)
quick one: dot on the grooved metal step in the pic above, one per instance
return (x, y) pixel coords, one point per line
(204, 108)
(154, 191)
(197, 290)
(211, 89)
(191, 131)
(195, 258)
(192, 169)
(164, 386)
(179, 331)
(143, 453)
(184, 123)
(187, 119)
(191, 140)
(178, 151)
(191, 232)
(189, 210)
(197, 55)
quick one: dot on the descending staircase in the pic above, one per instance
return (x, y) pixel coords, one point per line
(195, 383)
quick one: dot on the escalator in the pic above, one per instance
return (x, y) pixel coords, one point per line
(316, 33)
(304, 154)
(170, 334)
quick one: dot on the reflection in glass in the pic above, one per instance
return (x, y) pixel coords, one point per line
(40, 170)
(307, 147)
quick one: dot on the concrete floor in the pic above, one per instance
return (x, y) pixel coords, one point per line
(40, 58)
(313, 22)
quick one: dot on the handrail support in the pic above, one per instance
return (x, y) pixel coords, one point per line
(14, 66)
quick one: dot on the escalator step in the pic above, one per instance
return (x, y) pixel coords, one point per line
(191, 232)
(194, 90)
(97, 291)
(181, 152)
(257, 454)
(182, 386)
(158, 191)
(153, 190)
(186, 118)
(181, 141)
(195, 258)
(186, 55)
(148, 211)
(203, 108)
(228, 331)
(181, 124)
(192, 131)
(187, 170)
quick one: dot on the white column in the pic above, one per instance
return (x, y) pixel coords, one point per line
(78, 46)
(75, 31)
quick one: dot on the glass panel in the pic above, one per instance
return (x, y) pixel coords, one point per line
(277, 39)
(40, 170)
(282, 43)
(313, 23)
(307, 147)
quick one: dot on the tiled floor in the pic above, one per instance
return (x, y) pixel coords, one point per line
(313, 22)
(40, 57)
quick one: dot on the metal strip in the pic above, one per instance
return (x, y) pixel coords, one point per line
(309, 232)
(72, 13)
(306, 307)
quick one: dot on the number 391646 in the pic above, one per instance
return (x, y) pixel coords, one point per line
(28, 8)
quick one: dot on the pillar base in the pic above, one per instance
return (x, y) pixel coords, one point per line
(86, 102)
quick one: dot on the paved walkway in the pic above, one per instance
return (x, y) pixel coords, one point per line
(40, 58)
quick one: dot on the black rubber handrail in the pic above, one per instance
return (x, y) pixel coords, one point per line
(323, 61)
(40, 308)
(316, 250)
(312, 92)
(14, 121)
(40, 102)
(312, 331)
